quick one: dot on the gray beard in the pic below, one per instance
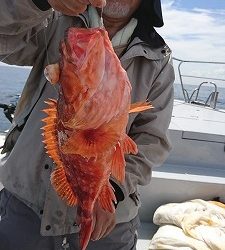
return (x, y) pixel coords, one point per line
(116, 9)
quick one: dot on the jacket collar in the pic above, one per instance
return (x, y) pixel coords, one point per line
(139, 48)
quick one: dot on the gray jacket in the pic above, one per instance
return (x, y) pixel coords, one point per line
(25, 33)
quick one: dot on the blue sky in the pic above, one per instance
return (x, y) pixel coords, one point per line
(203, 4)
(195, 30)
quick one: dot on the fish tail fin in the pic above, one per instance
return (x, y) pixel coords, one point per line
(118, 164)
(85, 232)
(129, 146)
(107, 197)
(140, 106)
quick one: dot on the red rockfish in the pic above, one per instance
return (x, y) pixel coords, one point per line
(85, 131)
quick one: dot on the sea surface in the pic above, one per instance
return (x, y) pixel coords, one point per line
(12, 80)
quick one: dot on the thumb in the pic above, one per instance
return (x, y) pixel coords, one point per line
(98, 3)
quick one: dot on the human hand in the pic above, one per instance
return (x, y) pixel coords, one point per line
(74, 7)
(103, 222)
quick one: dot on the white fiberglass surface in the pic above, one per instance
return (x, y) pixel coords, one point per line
(190, 117)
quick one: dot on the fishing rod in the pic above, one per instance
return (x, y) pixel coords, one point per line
(8, 110)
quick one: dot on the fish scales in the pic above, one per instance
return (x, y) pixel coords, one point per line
(85, 130)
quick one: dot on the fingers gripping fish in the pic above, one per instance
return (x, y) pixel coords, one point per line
(85, 130)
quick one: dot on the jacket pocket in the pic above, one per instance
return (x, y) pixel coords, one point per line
(134, 225)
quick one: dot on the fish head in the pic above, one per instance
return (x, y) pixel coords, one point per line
(82, 63)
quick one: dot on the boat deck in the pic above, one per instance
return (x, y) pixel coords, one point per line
(198, 119)
(194, 169)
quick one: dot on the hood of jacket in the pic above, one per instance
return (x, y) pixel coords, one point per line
(149, 15)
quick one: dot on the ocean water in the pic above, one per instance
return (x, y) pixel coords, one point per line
(12, 80)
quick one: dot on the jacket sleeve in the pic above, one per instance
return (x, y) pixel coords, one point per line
(149, 131)
(20, 23)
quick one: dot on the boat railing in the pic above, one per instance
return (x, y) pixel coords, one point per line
(211, 100)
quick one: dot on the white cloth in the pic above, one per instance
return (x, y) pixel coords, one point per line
(172, 237)
(196, 220)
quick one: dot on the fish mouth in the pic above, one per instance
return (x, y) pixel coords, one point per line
(79, 42)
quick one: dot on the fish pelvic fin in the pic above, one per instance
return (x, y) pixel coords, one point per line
(139, 107)
(118, 164)
(107, 198)
(62, 187)
(129, 146)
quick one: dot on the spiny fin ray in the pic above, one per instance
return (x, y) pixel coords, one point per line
(62, 187)
(118, 164)
(129, 146)
(139, 107)
(106, 198)
(49, 134)
(58, 176)
(90, 142)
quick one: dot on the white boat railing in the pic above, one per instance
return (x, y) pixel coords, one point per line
(211, 101)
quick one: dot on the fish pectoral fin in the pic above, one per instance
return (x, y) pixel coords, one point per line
(90, 142)
(139, 107)
(129, 146)
(118, 164)
(62, 187)
(106, 198)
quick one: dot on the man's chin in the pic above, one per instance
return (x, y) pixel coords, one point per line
(115, 9)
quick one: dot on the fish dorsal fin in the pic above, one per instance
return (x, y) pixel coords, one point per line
(58, 177)
(106, 198)
(50, 137)
(118, 164)
(62, 187)
(140, 106)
